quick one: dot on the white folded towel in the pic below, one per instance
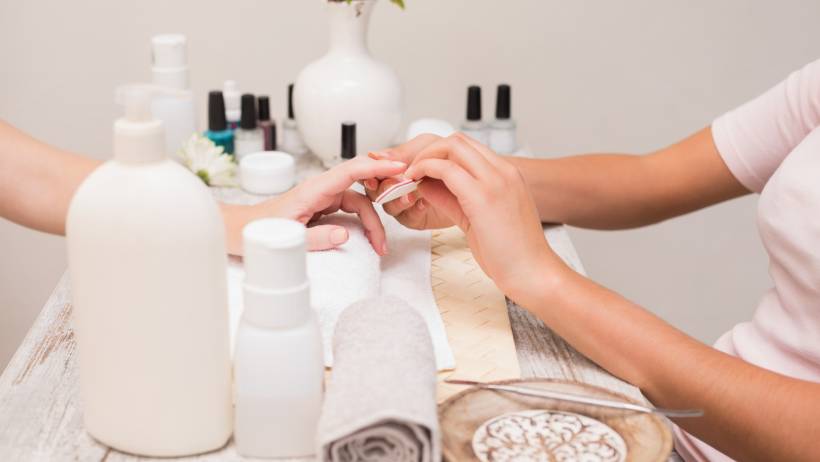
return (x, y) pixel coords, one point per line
(341, 277)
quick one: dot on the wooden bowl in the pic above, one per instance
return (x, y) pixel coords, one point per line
(647, 436)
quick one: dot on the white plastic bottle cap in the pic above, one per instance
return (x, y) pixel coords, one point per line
(169, 61)
(267, 172)
(274, 253)
(276, 290)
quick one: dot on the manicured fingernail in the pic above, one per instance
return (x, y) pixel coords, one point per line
(338, 236)
(378, 155)
(398, 164)
(384, 248)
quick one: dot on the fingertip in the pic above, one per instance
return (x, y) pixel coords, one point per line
(339, 236)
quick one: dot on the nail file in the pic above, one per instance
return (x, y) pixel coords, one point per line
(397, 190)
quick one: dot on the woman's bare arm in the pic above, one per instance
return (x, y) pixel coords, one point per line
(614, 191)
(37, 181)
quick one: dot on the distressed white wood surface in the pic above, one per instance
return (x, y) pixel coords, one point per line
(541, 353)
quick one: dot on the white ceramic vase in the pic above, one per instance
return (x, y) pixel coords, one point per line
(348, 84)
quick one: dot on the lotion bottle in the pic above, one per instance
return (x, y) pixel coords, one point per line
(248, 138)
(473, 126)
(147, 258)
(502, 129)
(170, 70)
(278, 363)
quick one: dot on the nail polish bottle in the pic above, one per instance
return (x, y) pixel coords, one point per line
(232, 111)
(348, 140)
(292, 142)
(473, 126)
(502, 129)
(267, 124)
(248, 138)
(218, 130)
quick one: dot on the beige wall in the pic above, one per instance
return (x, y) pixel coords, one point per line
(586, 75)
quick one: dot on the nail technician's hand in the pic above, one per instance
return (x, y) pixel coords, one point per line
(487, 198)
(411, 210)
(328, 193)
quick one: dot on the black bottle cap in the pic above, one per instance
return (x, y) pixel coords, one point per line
(248, 120)
(473, 102)
(502, 102)
(348, 140)
(216, 112)
(264, 107)
(290, 102)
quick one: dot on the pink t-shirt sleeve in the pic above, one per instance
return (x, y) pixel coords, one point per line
(754, 138)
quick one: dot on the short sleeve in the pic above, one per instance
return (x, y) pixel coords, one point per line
(754, 138)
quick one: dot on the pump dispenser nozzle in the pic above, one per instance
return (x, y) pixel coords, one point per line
(138, 136)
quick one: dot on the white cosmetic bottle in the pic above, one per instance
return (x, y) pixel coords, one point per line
(177, 112)
(278, 364)
(147, 258)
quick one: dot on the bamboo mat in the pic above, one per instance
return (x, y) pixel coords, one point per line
(474, 313)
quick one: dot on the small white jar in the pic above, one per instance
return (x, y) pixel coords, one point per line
(267, 172)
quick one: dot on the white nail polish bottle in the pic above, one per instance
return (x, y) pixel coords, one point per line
(248, 138)
(278, 361)
(292, 142)
(502, 129)
(473, 126)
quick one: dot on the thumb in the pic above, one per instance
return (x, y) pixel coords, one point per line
(440, 198)
(324, 237)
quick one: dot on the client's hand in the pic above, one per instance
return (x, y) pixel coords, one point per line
(411, 210)
(317, 196)
(487, 198)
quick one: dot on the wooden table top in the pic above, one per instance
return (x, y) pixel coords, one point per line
(40, 417)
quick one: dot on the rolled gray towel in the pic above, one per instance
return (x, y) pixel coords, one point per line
(380, 403)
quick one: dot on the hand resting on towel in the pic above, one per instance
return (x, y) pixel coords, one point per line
(321, 195)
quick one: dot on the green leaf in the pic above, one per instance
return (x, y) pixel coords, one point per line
(203, 175)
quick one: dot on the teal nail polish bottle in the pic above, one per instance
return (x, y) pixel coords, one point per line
(218, 130)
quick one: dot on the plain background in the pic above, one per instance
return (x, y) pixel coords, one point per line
(586, 75)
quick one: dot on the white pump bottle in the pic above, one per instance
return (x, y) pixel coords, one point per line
(147, 259)
(278, 365)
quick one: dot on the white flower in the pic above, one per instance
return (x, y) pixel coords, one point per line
(208, 161)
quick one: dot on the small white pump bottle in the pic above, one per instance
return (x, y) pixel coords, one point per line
(278, 364)
(147, 259)
(170, 70)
